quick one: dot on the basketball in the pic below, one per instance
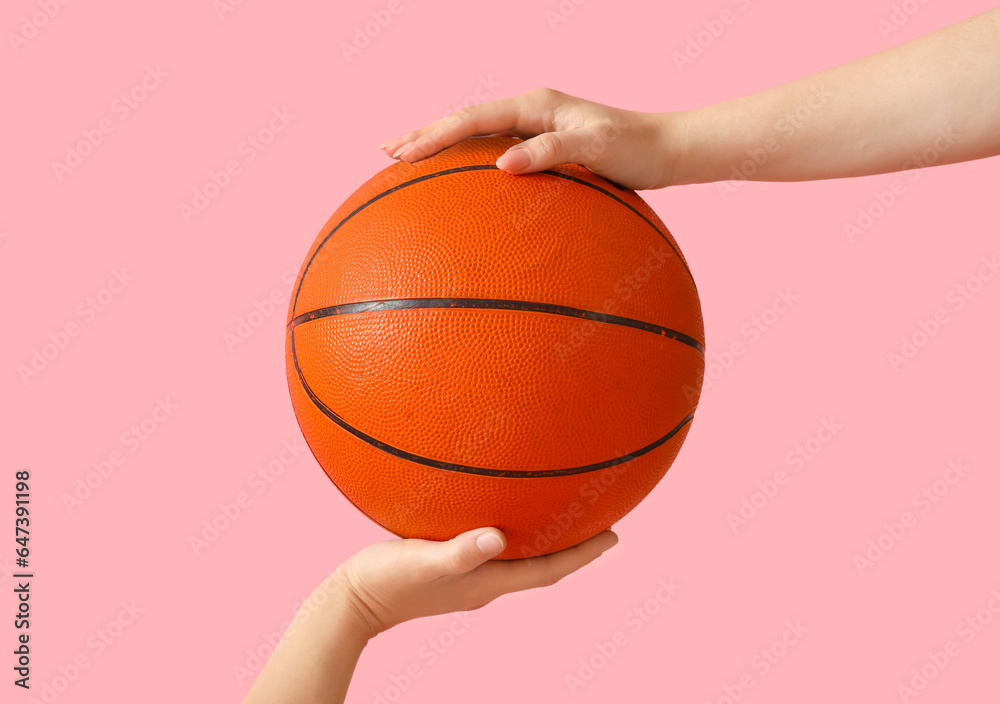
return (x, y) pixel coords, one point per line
(469, 348)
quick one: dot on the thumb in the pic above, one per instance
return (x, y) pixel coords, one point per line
(464, 552)
(543, 152)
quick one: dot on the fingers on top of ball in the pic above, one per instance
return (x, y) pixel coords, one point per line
(535, 154)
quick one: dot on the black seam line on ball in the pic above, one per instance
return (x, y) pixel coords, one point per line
(492, 304)
(479, 167)
(466, 469)
(649, 222)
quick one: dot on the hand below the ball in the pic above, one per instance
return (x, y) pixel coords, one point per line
(400, 580)
(394, 581)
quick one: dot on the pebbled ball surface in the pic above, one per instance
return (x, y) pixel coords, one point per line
(547, 386)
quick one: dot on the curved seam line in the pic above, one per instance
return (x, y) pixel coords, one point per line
(492, 304)
(480, 167)
(467, 469)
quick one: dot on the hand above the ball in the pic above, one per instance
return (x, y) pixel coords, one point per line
(394, 581)
(931, 101)
(559, 129)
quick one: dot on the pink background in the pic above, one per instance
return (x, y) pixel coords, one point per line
(162, 338)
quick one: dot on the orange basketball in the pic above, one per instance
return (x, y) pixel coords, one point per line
(469, 348)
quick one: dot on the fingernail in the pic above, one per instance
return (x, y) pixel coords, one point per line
(403, 149)
(383, 145)
(514, 159)
(489, 544)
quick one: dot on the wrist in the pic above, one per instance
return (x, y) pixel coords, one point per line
(672, 149)
(335, 614)
(352, 605)
(316, 657)
(705, 144)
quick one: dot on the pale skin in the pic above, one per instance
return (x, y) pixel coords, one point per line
(878, 114)
(391, 582)
(937, 95)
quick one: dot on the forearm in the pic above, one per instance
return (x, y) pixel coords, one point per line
(315, 660)
(940, 92)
